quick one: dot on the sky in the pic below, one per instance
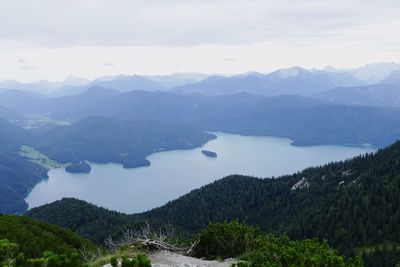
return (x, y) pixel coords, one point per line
(52, 39)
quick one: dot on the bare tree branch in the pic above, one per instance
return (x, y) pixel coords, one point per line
(150, 239)
(90, 255)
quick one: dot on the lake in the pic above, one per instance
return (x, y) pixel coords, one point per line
(174, 173)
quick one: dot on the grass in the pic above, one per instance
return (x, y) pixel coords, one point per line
(123, 252)
(34, 121)
(36, 157)
(100, 262)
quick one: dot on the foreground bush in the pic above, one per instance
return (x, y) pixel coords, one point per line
(227, 240)
(140, 260)
(11, 256)
(279, 251)
(236, 240)
(33, 238)
(8, 252)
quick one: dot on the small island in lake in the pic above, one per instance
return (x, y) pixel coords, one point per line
(78, 167)
(210, 154)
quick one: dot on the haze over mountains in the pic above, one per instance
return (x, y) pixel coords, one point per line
(392, 79)
(375, 72)
(75, 85)
(375, 85)
(310, 107)
(377, 95)
(304, 120)
(295, 81)
(283, 79)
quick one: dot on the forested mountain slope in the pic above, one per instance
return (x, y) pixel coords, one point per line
(393, 79)
(22, 101)
(351, 203)
(65, 107)
(121, 83)
(12, 136)
(34, 237)
(85, 219)
(305, 121)
(9, 114)
(378, 95)
(17, 176)
(103, 140)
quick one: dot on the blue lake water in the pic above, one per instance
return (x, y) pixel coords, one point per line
(174, 173)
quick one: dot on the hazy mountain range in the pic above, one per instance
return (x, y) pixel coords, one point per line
(392, 79)
(304, 120)
(294, 80)
(375, 72)
(377, 95)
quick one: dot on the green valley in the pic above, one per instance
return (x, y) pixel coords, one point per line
(39, 158)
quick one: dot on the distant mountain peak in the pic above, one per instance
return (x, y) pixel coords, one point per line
(392, 79)
(75, 80)
(96, 88)
(248, 74)
(126, 77)
(290, 72)
(329, 68)
(375, 72)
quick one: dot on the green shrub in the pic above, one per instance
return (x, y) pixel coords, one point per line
(227, 240)
(9, 257)
(114, 261)
(126, 262)
(35, 262)
(141, 260)
(34, 237)
(234, 239)
(8, 252)
(279, 251)
(55, 260)
(20, 260)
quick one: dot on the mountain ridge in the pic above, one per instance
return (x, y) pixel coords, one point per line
(377, 95)
(295, 80)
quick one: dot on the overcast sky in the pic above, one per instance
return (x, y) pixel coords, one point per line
(51, 39)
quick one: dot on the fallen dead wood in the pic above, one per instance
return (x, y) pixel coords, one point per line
(146, 238)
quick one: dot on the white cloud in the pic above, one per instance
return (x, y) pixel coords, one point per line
(108, 64)
(28, 67)
(229, 59)
(177, 22)
(81, 38)
(57, 63)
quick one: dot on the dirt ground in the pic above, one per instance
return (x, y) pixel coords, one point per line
(167, 259)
